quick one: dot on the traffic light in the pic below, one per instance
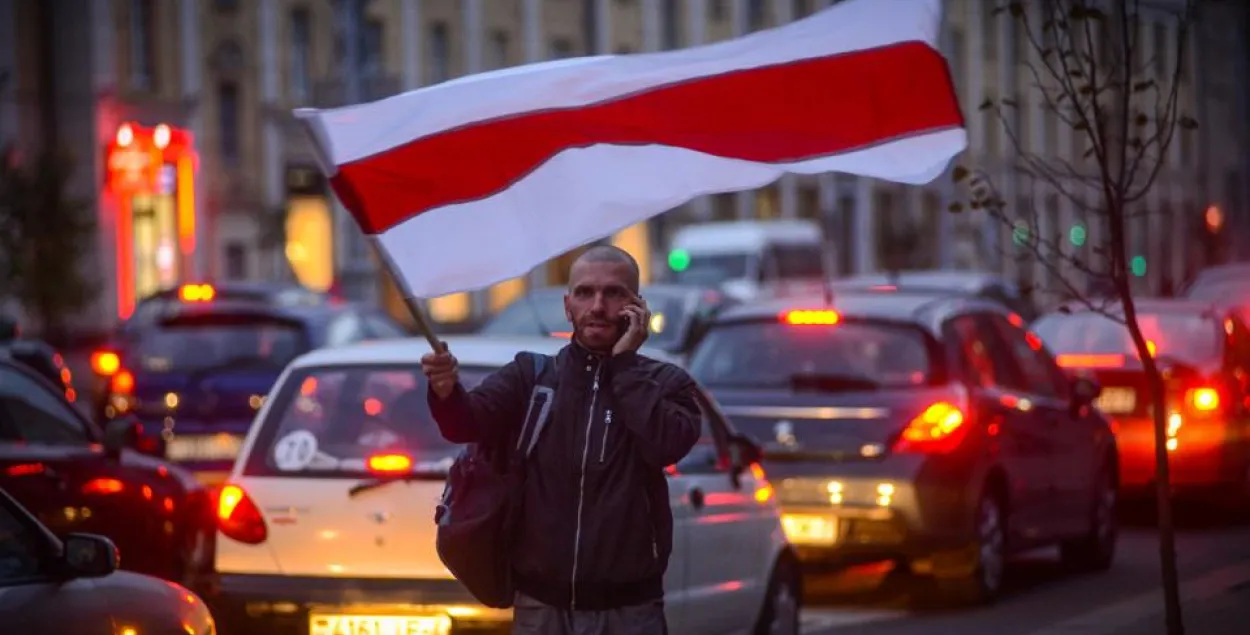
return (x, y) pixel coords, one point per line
(1077, 235)
(678, 259)
(1138, 266)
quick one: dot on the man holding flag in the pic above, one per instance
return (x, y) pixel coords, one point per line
(478, 180)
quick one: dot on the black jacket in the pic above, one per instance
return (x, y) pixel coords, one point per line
(596, 529)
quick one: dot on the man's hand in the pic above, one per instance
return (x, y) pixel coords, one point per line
(442, 370)
(639, 326)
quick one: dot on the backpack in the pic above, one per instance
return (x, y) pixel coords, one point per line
(480, 507)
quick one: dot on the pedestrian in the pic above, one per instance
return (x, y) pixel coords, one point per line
(595, 529)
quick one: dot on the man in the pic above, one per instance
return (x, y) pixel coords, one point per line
(596, 528)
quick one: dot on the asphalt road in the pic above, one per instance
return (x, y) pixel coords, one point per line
(1040, 594)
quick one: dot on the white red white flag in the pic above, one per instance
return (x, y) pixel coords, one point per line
(480, 179)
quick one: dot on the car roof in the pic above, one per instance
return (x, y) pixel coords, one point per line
(295, 312)
(967, 281)
(923, 308)
(242, 287)
(470, 350)
(1147, 305)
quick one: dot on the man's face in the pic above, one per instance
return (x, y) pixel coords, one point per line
(597, 293)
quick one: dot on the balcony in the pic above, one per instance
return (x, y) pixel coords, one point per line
(332, 93)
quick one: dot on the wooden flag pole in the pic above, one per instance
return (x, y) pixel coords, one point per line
(414, 307)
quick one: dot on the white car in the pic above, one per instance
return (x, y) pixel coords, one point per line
(325, 528)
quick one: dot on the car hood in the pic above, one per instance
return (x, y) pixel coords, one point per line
(151, 605)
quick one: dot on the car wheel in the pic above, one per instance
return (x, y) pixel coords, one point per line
(1096, 550)
(780, 615)
(983, 584)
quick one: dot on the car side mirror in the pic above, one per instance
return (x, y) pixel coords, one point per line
(1084, 391)
(743, 452)
(89, 556)
(123, 433)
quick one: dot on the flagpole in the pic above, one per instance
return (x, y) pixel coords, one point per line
(414, 307)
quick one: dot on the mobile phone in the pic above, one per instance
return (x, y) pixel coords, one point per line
(622, 324)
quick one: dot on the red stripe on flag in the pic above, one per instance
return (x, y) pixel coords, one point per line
(777, 114)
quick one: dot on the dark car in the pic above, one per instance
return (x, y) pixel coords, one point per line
(71, 586)
(680, 315)
(917, 428)
(988, 286)
(1223, 285)
(1205, 352)
(77, 478)
(197, 377)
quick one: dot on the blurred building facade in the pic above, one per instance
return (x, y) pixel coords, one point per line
(242, 196)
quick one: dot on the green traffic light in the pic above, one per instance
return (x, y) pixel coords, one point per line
(1138, 266)
(678, 259)
(1020, 234)
(1077, 235)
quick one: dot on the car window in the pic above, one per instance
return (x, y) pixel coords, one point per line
(773, 354)
(797, 261)
(1036, 368)
(384, 328)
(207, 342)
(711, 453)
(1189, 337)
(30, 413)
(19, 549)
(345, 329)
(329, 421)
(711, 269)
(981, 361)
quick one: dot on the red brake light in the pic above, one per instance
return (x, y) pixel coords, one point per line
(105, 363)
(390, 463)
(1203, 400)
(811, 317)
(196, 293)
(1076, 360)
(238, 517)
(938, 429)
(123, 382)
(103, 486)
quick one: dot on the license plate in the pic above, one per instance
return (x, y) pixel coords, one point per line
(1117, 400)
(810, 529)
(216, 447)
(379, 625)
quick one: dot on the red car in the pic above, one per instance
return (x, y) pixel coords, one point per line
(1205, 354)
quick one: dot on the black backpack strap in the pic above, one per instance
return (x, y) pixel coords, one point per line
(542, 398)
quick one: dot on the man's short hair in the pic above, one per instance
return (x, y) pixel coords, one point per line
(615, 255)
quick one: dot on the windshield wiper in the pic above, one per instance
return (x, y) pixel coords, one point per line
(831, 382)
(374, 483)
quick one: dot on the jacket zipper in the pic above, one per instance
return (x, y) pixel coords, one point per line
(581, 489)
(607, 423)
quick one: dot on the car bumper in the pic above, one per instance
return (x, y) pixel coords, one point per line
(286, 605)
(1199, 458)
(866, 517)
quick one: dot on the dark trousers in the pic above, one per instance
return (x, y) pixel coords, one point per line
(531, 617)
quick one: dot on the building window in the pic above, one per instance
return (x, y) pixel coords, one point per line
(499, 44)
(371, 49)
(561, 48)
(670, 25)
(440, 58)
(989, 36)
(757, 17)
(955, 56)
(590, 24)
(718, 9)
(236, 261)
(142, 34)
(301, 45)
(800, 9)
(228, 122)
(1162, 66)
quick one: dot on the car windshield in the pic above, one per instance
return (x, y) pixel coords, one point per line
(711, 269)
(1188, 337)
(331, 420)
(543, 313)
(773, 354)
(202, 345)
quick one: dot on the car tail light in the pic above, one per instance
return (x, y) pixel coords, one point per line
(1202, 400)
(123, 383)
(1078, 360)
(811, 317)
(121, 393)
(938, 429)
(389, 464)
(105, 363)
(103, 486)
(238, 517)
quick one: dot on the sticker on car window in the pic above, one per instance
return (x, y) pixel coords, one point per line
(295, 450)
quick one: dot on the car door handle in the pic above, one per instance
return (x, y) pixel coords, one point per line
(695, 496)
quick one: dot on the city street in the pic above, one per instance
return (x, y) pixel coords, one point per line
(1214, 560)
